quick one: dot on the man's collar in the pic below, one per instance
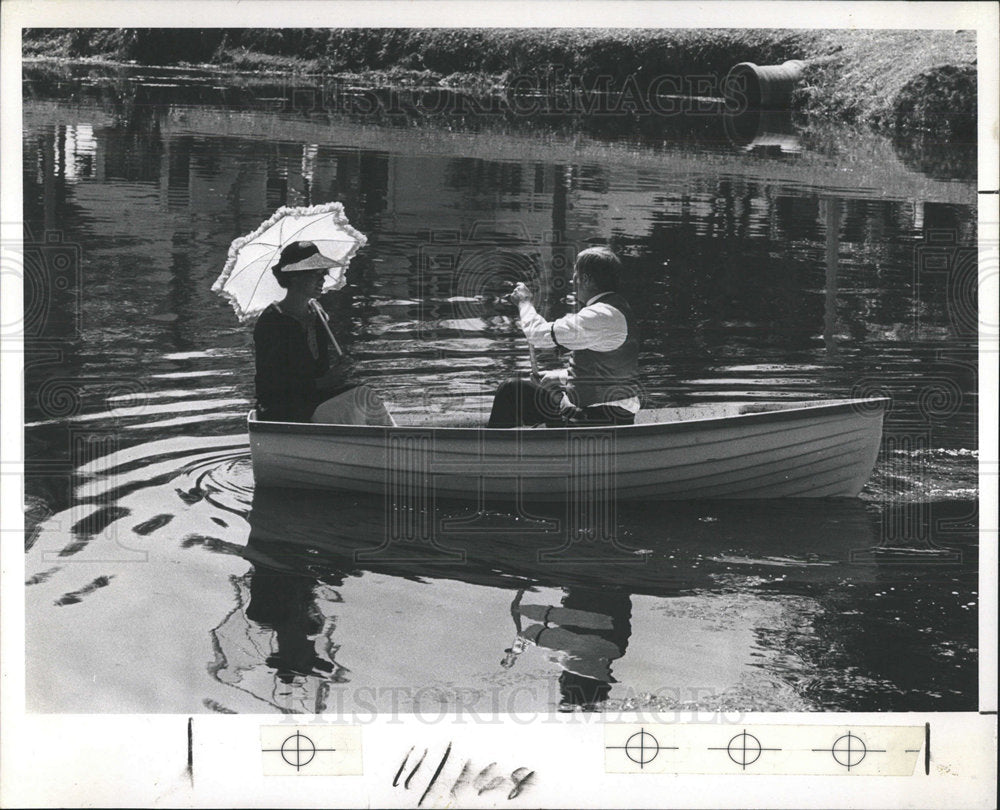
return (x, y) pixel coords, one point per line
(596, 297)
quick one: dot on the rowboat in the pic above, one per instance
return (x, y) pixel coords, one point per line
(811, 449)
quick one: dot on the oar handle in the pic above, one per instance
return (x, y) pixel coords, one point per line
(535, 375)
(326, 326)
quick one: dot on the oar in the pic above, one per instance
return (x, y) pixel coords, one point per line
(323, 320)
(535, 375)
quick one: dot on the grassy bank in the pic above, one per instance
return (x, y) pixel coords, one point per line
(898, 80)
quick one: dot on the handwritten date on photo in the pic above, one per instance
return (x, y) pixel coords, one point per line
(469, 778)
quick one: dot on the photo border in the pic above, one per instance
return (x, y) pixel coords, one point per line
(141, 759)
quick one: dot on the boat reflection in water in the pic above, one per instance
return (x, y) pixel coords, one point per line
(571, 601)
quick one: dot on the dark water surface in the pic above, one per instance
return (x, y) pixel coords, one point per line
(764, 261)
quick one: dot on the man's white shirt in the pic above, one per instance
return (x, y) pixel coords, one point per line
(597, 326)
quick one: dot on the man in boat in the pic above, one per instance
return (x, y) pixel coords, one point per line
(601, 384)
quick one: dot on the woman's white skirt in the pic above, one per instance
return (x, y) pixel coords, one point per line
(358, 406)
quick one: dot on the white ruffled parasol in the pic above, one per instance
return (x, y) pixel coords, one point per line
(247, 281)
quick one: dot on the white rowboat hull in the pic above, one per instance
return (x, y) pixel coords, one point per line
(774, 450)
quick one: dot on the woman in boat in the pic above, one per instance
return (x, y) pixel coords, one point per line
(601, 385)
(299, 378)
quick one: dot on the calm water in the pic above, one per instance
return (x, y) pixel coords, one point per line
(763, 261)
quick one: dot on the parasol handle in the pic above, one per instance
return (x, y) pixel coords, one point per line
(326, 326)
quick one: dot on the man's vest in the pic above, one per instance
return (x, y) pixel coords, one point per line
(596, 377)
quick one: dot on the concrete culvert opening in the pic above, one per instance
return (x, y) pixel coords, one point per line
(761, 87)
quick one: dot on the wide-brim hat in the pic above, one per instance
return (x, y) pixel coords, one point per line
(301, 256)
(315, 262)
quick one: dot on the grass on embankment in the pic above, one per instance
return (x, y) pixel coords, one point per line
(904, 80)
(889, 79)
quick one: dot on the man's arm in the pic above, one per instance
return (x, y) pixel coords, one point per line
(536, 329)
(599, 327)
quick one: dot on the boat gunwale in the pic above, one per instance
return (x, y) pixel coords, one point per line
(864, 408)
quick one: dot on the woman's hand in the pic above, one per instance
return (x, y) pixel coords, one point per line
(553, 380)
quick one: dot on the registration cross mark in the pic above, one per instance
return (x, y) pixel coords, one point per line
(298, 750)
(744, 749)
(642, 748)
(849, 750)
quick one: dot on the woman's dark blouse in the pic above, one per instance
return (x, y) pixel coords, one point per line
(287, 371)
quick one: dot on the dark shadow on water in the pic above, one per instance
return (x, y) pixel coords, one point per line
(650, 550)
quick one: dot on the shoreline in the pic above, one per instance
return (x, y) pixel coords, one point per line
(891, 81)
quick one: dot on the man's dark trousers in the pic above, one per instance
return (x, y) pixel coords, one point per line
(523, 402)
